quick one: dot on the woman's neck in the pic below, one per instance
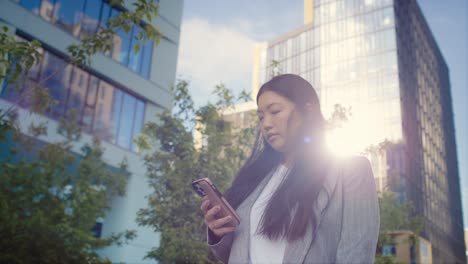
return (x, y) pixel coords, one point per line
(287, 160)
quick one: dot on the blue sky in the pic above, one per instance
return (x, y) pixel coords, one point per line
(217, 41)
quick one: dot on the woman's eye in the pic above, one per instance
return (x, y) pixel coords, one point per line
(260, 118)
(275, 112)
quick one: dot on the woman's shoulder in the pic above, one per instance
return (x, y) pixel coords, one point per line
(353, 167)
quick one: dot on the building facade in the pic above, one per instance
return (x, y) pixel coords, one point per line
(409, 248)
(112, 97)
(380, 59)
(466, 239)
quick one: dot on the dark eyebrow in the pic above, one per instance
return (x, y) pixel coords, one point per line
(268, 106)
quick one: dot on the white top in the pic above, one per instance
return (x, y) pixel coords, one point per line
(262, 249)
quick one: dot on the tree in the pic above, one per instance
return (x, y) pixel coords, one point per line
(173, 163)
(275, 67)
(51, 197)
(395, 215)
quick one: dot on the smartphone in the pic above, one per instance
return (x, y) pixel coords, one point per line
(204, 187)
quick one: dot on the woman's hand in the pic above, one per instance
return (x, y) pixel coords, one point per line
(216, 224)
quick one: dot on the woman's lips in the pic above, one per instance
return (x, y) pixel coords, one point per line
(272, 137)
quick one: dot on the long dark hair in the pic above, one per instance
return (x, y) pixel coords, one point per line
(289, 210)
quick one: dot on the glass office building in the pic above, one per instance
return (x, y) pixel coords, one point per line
(379, 58)
(111, 98)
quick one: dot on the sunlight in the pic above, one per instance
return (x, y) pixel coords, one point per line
(355, 136)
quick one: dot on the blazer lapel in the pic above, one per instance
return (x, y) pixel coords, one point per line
(297, 250)
(241, 253)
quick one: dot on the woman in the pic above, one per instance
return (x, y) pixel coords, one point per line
(297, 204)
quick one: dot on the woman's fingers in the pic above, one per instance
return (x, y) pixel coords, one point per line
(210, 214)
(222, 231)
(204, 206)
(218, 223)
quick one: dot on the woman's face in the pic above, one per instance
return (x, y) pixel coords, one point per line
(274, 111)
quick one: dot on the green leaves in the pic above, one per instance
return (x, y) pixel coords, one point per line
(55, 196)
(395, 215)
(101, 42)
(172, 162)
(15, 56)
(51, 197)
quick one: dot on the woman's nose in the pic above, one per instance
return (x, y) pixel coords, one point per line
(267, 124)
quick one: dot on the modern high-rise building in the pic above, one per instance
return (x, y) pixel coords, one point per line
(114, 96)
(466, 239)
(380, 59)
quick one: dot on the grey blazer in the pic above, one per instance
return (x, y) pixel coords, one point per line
(348, 220)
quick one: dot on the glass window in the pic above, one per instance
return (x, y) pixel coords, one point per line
(69, 14)
(139, 118)
(316, 36)
(387, 17)
(55, 76)
(309, 39)
(348, 8)
(47, 10)
(332, 11)
(368, 22)
(88, 112)
(388, 39)
(33, 72)
(116, 112)
(324, 14)
(105, 14)
(32, 5)
(78, 88)
(340, 9)
(127, 117)
(390, 61)
(333, 27)
(372, 64)
(103, 120)
(370, 43)
(317, 57)
(303, 41)
(289, 50)
(317, 20)
(121, 43)
(369, 4)
(134, 61)
(324, 33)
(350, 26)
(90, 21)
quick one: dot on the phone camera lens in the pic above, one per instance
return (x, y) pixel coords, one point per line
(200, 190)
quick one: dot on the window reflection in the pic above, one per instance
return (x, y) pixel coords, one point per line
(90, 22)
(116, 111)
(126, 121)
(90, 103)
(32, 5)
(388, 39)
(147, 58)
(56, 74)
(69, 15)
(134, 62)
(99, 107)
(102, 121)
(82, 18)
(47, 10)
(77, 94)
(138, 125)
